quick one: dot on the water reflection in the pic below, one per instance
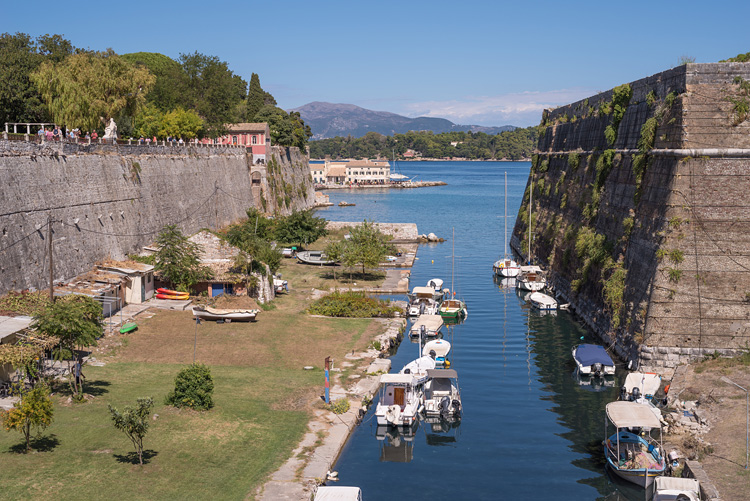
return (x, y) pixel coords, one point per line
(396, 444)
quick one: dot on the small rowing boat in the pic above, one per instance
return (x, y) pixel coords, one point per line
(237, 315)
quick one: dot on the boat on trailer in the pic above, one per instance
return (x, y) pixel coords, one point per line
(631, 452)
(236, 315)
(593, 360)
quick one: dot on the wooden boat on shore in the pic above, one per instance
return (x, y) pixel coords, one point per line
(236, 315)
(315, 257)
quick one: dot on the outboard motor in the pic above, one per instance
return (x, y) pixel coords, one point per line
(407, 371)
(423, 330)
(421, 309)
(623, 393)
(596, 369)
(445, 407)
(636, 394)
(432, 354)
(457, 406)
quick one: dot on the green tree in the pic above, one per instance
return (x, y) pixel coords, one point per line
(178, 259)
(335, 251)
(256, 98)
(180, 123)
(76, 320)
(148, 121)
(212, 90)
(85, 89)
(134, 422)
(20, 56)
(300, 227)
(166, 93)
(287, 129)
(367, 246)
(34, 409)
(193, 387)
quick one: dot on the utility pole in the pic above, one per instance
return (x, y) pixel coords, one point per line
(51, 260)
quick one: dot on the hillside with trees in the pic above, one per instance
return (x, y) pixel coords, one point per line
(510, 145)
(148, 94)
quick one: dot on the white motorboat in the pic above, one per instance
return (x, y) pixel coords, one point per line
(441, 394)
(236, 315)
(419, 367)
(506, 267)
(314, 257)
(400, 400)
(437, 349)
(531, 278)
(541, 301)
(640, 386)
(631, 452)
(427, 326)
(593, 360)
(424, 306)
(676, 489)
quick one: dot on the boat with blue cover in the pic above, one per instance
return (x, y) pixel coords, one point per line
(593, 360)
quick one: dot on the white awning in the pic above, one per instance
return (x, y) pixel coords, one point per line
(632, 415)
(398, 379)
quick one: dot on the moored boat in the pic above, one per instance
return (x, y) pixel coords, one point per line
(640, 386)
(419, 367)
(441, 394)
(676, 489)
(631, 452)
(506, 267)
(541, 301)
(423, 306)
(437, 349)
(453, 308)
(425, 292)
(531, 278)
(235, 315)
(427, 326)
(400, 400)
(593, 360)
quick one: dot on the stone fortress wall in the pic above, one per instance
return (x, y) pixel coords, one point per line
(649, 237)
(109, 201)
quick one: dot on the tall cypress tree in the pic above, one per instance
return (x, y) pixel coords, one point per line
(256, 98)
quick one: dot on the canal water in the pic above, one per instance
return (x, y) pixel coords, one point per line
(528, 429)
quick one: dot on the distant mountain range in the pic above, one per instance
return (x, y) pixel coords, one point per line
(330, 120)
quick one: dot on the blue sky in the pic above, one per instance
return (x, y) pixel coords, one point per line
(472, 62)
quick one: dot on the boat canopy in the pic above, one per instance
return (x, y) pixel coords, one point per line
(423, 290)
(625, 414)
(432, 323)
(338, 494)
(398, 379)
(442, 373)
(676, 486)
(436, 283)
(590, 354)
(647, 383)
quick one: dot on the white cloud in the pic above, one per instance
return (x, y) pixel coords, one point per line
(522, 109)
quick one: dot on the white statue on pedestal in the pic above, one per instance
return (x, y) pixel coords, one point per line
(110, 131)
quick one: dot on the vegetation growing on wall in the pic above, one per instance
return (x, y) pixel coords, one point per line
(740, 101)
(621, 96)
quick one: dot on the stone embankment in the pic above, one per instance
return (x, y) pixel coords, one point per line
(641, 213)
(108, 201)
(328, 432)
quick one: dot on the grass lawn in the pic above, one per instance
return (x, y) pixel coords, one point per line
(263, 401)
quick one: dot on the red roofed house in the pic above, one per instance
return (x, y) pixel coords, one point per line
(255, 136)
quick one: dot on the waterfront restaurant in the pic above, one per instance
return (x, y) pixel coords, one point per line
(368, 172)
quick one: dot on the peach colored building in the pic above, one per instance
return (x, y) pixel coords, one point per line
(255, 136)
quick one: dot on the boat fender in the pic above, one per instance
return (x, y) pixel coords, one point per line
(666, 389)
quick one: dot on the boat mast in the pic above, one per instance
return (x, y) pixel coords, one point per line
(531, 206)
(505, 220)
(453, 261)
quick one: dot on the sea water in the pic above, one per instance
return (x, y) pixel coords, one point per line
(528, 429)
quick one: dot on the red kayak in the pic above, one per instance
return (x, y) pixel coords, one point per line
(173, 296)
(162, 290)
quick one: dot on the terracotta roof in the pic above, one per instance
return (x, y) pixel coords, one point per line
(336, 171)
(248, 127)
(367, 163)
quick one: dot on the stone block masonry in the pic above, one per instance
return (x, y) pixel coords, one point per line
(644, 223)
(108, 201)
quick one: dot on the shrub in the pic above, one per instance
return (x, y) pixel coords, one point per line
(193, 387)
(614, 289)
(674, 274)
(339, 406)
(676, 256)
(574, 160)
(352, 304)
